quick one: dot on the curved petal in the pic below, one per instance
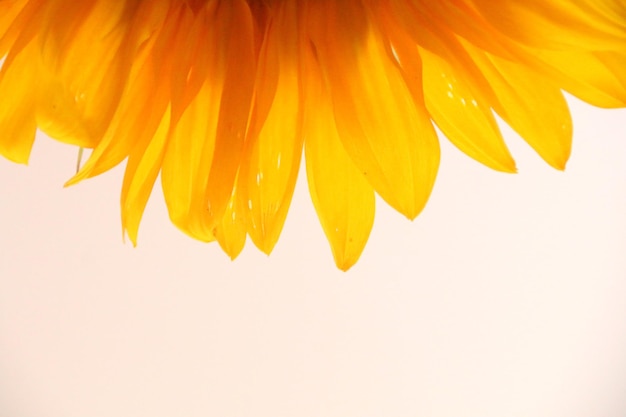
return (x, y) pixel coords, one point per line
(531, 105)
(19, 89)
(144, 100)
(560, 24)
(230, 232)
(457, 95)
(196, 91)
(20, 23)
(342, 197)
(462, 115)
(271, 161)
(600, 81)
(87, 65)
(141, 173)
(187, 162)
(384, 130)
(235, 32)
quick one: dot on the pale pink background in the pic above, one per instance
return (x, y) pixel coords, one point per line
(506, 297)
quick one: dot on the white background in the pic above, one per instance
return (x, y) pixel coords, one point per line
(505, 297)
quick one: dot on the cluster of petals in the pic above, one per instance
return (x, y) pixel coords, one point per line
(222, 99)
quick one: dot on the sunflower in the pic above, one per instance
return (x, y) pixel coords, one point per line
(221, 98)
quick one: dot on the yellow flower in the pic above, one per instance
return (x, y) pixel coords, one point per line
(221, 97)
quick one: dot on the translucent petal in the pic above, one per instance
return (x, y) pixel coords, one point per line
(191, 139)
(187, 163)
(531, 105)
(457, 95)
(19, 92)
(19, 24)
(141, 173)
(462, 115)
(230, 232)
(560, 24)
(9, 10)
(220, 96)
(342, 197)
(141, 107)
(235, 33)
(272, 157)
(86, 61)
(600, 81)
(386, 133)
(458, 16)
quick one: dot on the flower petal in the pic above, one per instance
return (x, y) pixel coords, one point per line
(384, 130)
(231, 230)
(342, 197)
(600, 81)
(235, 34)
(141, 173)
(271, 161)
(19, 97)
(196, 91)
(457, 95)
(559, 24)
(531, 105)
(144, 100)
(462, 115)
(86, 59)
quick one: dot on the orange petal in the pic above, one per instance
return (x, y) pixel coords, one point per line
(87, 56)
(142, 104)
(19, 91)
(235, 34)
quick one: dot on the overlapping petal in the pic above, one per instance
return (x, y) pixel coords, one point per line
(342, 196)
(221, 97)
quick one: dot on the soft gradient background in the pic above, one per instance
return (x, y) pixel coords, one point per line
(506, 297)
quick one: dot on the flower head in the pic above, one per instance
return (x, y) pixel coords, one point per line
(221, 97)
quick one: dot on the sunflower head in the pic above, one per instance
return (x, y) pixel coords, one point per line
(221, 98)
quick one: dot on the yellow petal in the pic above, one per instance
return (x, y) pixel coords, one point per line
(19, 92)
(531, 105)
(141, 173)
(231, 230)
(142, 104)
(191, 140)
(600, 81)
(560, 24)
(342, 197)
(219, 95)
(457, 95)
(272, 157)
(386, 133)
(462, 116)
(187, 163)
(87, 56)
(459, 17)
(141, 125)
